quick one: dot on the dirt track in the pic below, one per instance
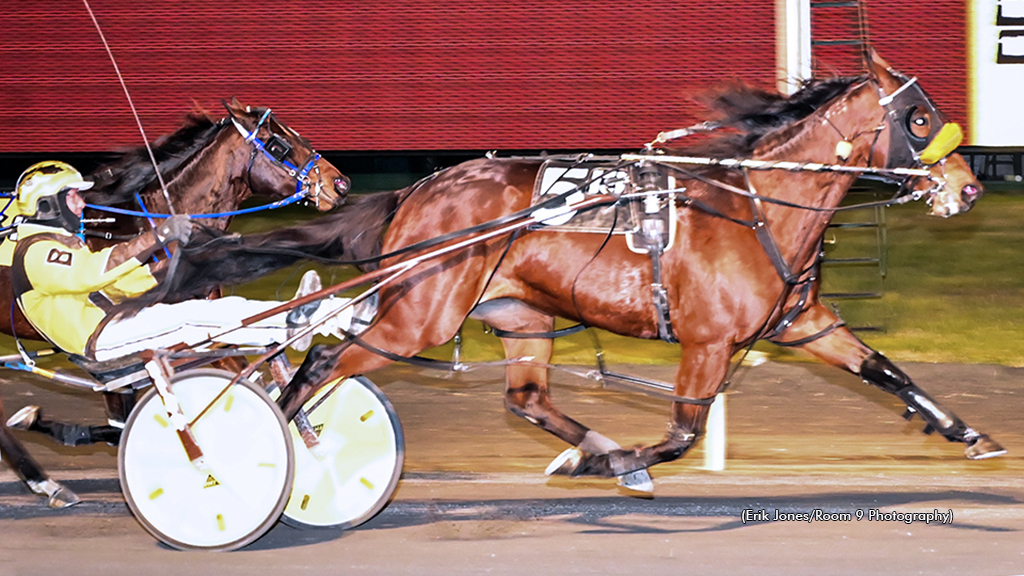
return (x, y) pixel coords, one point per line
(800, 437)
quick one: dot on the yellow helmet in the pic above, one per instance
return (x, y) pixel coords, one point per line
(39, 186)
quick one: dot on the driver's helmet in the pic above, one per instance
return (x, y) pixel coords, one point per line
(39, 186)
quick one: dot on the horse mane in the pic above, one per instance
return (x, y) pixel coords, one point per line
(132, 172)
(752, 113)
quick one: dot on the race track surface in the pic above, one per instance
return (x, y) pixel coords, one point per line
(801, 439)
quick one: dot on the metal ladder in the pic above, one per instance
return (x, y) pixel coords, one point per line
(854, 267)
(838, 36)
(856, 261)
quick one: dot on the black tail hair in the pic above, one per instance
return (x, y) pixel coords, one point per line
(213, 259)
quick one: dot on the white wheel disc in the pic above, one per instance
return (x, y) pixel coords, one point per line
(355, 469)
(249, 464)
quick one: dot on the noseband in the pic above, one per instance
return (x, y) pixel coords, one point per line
(277, 149)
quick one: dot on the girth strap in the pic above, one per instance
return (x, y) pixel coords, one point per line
(660, 297)
(527, 335)
(819, 334)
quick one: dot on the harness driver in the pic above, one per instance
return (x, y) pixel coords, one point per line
(68, 292)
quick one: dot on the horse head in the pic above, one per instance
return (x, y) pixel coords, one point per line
(281, 158)
(920, 136)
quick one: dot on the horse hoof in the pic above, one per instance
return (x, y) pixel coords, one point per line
(565, 463)
(23, 419)
(57, 496)
(638, 481)
(984, 447)
(63, 498)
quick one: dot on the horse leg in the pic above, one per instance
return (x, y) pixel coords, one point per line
(320, 363)
(26, 467)
(701, 371)
(526, 376)
(390, 333)
(425, 310)
(841, 348)
(119, 405)
(526, 388)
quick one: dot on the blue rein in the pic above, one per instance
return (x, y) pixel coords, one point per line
(279, 204)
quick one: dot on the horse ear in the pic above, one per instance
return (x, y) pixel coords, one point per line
(881, 71)
(234, 107)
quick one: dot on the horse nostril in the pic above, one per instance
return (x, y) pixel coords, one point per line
(342, 185)
(970, 193)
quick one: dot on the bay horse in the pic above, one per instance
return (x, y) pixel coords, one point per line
(208, 167)
(742, 266)
(724, 290)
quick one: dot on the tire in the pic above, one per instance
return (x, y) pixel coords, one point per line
(249, 458)
(358, 462)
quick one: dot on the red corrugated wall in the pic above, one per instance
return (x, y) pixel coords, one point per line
(392, 75)
(923, 38)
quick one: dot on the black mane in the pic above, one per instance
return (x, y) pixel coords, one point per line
(117, 181)
(752, 113)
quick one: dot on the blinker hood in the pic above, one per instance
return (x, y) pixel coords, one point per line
(920, 132)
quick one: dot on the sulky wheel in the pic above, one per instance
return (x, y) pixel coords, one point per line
(352, 473)
(249, 464)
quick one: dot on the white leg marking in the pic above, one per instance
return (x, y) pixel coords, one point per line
(595, 443)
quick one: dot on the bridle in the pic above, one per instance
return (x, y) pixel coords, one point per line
(277, 149)
(920, 135)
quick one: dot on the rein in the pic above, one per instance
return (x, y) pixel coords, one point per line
(271, 206)
(554, 202)
(901, 199)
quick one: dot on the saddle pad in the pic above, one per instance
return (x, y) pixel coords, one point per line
(589, 177)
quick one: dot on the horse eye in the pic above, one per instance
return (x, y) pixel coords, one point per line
(919, 123)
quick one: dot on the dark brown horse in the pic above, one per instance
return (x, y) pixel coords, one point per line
(208, 167)
(724, 288)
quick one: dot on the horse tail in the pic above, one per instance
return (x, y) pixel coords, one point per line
(213, 259)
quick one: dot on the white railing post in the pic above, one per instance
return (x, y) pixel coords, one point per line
(714, 436)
